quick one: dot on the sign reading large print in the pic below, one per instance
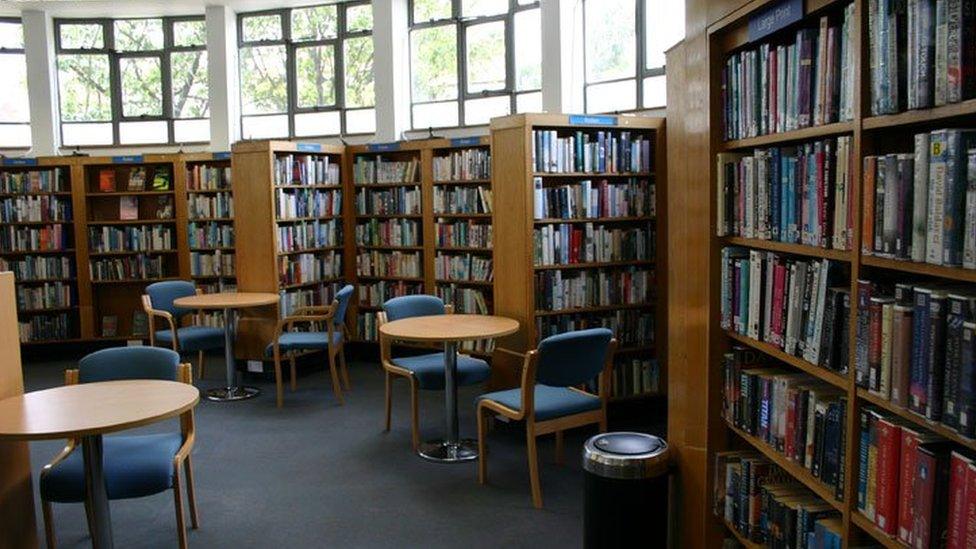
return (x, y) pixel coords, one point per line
(774, 17)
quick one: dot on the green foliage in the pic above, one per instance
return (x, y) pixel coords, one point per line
(190, 91)
(359, 18)
(142, 86)
(84, 87)
(428, 10)
(190, 33)
(433, 63)
(81, 36)
(610, 46)
(261, 27)
(486, 57)
(359, 72)
(315, 76)
(264, 88)
(138, 34)
(316, 23)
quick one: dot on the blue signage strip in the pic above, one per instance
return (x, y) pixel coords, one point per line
(774, 17)
(19, 161)
(309, 147)
(465, 141)
(383, 147)
(127, 159)
(592, 120)
(221, 156)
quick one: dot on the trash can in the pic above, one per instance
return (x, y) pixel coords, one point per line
(626, 491)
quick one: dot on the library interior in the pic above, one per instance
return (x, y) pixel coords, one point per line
(488, 273)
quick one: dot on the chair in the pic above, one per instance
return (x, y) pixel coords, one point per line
(424, 371)
(135, 465)
(158, 302)
(332, 340)
(548, 400)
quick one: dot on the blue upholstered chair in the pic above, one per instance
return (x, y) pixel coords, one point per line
(332, 341)
(135, 466)
(549, 400)
(158, 303)
(423, 371)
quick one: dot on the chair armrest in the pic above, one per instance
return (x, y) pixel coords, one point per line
(63, 455)
(188, 439)
(313, 310)
(510, 352)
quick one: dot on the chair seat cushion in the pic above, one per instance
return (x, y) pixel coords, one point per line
(300, 341)
(134, 466)
(550, 402)
(429, 370)
(193, 338)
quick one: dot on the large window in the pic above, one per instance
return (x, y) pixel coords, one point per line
(15, 128)
(133, 81)
(471, 60)
(307, 71)
(624, 62)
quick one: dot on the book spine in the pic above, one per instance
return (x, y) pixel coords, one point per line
(920, 197)
(889, 437)
(906, 484)
(967, 381)
(867, 227)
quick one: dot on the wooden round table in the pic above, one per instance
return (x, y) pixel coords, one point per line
(229, 302)
(449, 329)
(87, 411)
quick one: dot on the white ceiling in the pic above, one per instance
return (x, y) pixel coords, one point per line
(140, 8)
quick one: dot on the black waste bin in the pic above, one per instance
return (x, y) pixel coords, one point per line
(626, 491)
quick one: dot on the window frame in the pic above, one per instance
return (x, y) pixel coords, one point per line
(291, 73)
(17, 51)
(462, 24)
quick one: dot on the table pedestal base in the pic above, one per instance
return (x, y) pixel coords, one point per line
(226, 394)
(442, 451)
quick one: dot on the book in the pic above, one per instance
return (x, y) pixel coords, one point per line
(110, 325)
(140, 323)
(161, 179)
(128, 208)
(164, 207)
(106, 180)
(137, 179)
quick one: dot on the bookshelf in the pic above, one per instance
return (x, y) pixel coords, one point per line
(528, 184)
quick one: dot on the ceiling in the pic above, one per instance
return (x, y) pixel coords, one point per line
(141, 8)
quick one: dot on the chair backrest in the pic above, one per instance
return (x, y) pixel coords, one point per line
(409, 306)
(342, 297)
(129, 363)
(162, 295)
(572, 358)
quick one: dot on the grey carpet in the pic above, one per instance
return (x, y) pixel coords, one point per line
(315, 474)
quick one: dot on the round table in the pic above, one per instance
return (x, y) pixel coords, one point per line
(88, 411)
(449, 329)
(229, 302)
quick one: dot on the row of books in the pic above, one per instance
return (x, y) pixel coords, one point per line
(465, 300)
(219, 205)
(34, 181)
(912, 484)
(306, 268)
(765, 505)
(566, 243)
(636, 376)
(463, 234)
(794, 304)
(557, 290)
(210, 235)
(213, 286)
(207, 177)
(463, 165)
(212, 319)
(377, 293)
(293, 299)
(211, 264)
(132, 267)
(795, 414)
(579, 151)
(35, 208)
(305, 169)
(131, 238)
(49, 295)
(462, 267)
(921, 54)
(631, 327)
(46, 327)
(396, 201)
(388, 232)
(922, 205)
(371, 170)
(28, 239)
(140, 207)
(39, 267)
(291, 204)
(294, 237)
(395, 264)
(798, 81)
(367, 326)
(631, 197)
(159, 178)
(462, 200)
(798, 195)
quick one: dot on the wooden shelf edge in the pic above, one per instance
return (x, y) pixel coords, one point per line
(917, 419)
(920, 116)
(823, 374)
(871, 529)
(940, 271)
(746, 542)
(784, 247)
(812, 132)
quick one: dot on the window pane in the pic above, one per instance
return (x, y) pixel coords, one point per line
(359, 18)
(358, 57)
(261, 27)
(655, 91)
(610, 44)
(189, 33)
(529, 102)
(435, 115)
(615, 96)
(264, 88)
(665, 24)
(433, 63)
(315, 76)
(481, 111)
(191, 131)
(86, 134)
(140, 133)
(11, 35)
(262, 127)
(79, 36)
(191, 97)
(138, 34)
(142, 88)
(83, 86)
(485, 45)
(314, 23)
(527, 2)
(14, 105)
(475, 8)
(528, 50)
(15, 135)
(361, 121)
(428, 10)
(317, 123)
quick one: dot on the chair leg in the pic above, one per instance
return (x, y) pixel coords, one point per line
(414, 416)
(482, 447)
(178, 500)
(201, 363)
(345, 367)
(48, 512)
(559, 448)
(533, 465)
(291, 361)
(191, 493)
(336, 388)
(279, 390)
(389, 399)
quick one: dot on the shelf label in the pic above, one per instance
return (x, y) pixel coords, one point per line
(592, 120)
(127, 159)
(308, 147)
(221, 155)
(774, 17)
(465, 141)
(383, 147)
(19, 161)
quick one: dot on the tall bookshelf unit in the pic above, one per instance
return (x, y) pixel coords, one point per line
(634, 223)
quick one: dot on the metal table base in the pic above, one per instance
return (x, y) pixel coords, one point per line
(450, 449)
(232, 391)
(96, 495)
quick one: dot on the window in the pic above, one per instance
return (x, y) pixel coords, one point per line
(307, 71)
(15, 128)
(624, 65)
(133, 81)
(472, 60)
